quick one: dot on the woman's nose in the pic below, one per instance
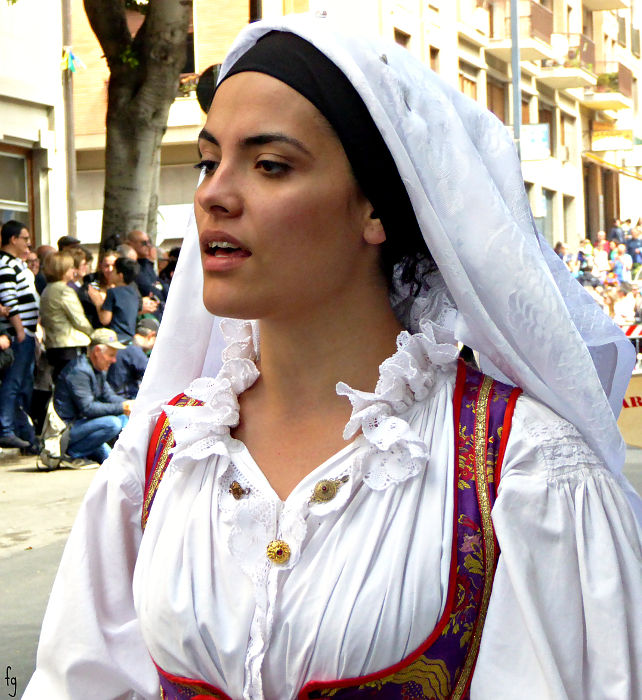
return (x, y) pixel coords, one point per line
(220, 191)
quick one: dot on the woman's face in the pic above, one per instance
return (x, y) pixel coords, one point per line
(279, 197)
(107, 268)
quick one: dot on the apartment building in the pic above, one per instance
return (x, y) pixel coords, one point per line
(581, 134)
(33, 150)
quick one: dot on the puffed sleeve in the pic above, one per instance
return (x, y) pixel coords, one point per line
(90, 644)
(565, 614)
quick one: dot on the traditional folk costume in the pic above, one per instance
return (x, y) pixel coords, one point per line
(382, 574)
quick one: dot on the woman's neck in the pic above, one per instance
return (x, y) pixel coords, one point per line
(301, 362)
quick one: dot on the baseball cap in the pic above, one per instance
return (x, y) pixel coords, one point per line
(67, 241)
(105, 336)
(148, 323)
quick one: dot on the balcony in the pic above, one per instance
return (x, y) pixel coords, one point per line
(473, 22)
(575, 68)
(595, 5)
(535, 31)
(613, 88)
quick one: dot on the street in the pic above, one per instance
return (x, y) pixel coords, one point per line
(36, 514)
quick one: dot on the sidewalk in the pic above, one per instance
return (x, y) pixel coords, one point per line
(36, 508)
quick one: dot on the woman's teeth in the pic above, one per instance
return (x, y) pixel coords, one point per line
(221, 244)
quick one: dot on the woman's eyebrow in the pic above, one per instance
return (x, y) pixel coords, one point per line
(259, 140)
(263, 139)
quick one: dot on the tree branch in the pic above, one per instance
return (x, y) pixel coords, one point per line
(108, 22)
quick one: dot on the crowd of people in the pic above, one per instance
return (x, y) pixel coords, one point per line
(610, 268)
(74, 340)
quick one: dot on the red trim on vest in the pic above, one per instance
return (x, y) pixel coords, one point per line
(153, 440)
(508, 422)
(311, 686)
(200, 685)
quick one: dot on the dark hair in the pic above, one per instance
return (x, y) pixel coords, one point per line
(111, 242)
(129, 269)
(174, 252)
(11, 229)
(166, 273)
(300, 65)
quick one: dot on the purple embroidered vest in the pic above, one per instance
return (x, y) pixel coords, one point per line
(442, 667)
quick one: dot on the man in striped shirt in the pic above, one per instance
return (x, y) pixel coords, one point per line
(20, 297)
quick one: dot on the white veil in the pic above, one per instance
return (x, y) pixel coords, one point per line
(517, 305)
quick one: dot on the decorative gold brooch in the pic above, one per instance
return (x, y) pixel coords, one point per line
(327, 489)
(278, 551)
(237, 490)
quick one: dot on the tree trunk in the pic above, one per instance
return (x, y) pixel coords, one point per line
(143, 83)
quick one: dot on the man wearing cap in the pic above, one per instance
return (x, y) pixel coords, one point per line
(94, 414)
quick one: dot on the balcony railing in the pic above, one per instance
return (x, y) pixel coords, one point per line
(635, 42)
(614, 77)
(579, 54)
(535, 20)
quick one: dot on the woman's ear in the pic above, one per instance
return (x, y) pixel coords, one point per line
(373, 231)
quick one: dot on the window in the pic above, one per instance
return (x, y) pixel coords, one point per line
(15, 167)
(496, 96)
(468, 80)
(256, 10)
(190, 61)
(434, 59)
(402, 38)
(548, 201)
(468, 86)
(526, 110)
(546, 115)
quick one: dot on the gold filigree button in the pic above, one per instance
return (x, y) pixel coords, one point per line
(278, 551)
(237, 490)
(327, 489)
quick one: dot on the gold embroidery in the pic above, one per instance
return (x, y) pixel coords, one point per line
(160, 465)
(481, 474)
(430, 674)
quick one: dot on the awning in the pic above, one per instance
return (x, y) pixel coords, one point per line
(587, 155)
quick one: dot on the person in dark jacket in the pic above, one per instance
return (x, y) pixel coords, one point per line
(120, 308)
(86, 402)
(126, 374)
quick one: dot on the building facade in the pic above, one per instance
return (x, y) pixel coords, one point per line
(33, 148)
(581, 133)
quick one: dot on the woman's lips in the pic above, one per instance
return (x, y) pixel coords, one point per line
(222, 251)
(221, 259)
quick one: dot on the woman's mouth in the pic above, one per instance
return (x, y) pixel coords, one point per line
(222, 254)
(225, 249)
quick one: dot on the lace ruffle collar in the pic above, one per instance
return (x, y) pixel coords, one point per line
(393, 453)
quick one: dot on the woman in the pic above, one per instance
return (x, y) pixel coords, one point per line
(279, 561)
(66, 327)
(95, 286)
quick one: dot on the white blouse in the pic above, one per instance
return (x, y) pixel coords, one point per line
(367, 574)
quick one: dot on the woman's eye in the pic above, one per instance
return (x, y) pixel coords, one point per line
(273, 167)
(207, 167)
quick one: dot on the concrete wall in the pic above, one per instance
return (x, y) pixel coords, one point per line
(31, 107)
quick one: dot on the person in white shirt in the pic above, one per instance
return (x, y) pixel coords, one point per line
(301, 545)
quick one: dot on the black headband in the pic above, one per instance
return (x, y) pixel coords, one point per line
(297, 63)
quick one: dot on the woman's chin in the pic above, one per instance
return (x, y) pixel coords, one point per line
(227, 308)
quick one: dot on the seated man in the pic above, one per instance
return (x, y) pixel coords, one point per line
(94, 414)
(126, 374)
